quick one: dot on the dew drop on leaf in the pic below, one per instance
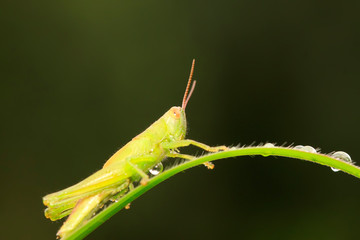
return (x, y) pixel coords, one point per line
(309, 149)
(341, 156)
(298, 147)
(158, 168)
(269, 145)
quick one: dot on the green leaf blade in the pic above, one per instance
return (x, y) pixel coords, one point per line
(104, 215)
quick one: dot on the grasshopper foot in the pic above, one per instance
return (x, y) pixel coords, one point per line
(144, 181)
(127, 206)
(209, 165)
(218, 148)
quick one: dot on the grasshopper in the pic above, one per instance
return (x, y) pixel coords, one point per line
(127, 166)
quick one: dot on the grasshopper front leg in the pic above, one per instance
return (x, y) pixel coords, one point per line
(209, 165)
(187, 142)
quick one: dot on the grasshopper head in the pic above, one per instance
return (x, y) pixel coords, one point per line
(176, 122)
(175, 118)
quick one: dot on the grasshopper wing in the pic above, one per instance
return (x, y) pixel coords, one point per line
(113, 178)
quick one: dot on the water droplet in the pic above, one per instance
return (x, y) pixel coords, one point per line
(265, 152)
(342, 156)
(309, 149)
(269, 145)
(158, 168)
(298, 147)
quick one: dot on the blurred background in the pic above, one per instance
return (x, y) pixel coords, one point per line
(80, 79)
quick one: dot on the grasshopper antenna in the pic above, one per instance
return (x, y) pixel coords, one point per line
(187, 94)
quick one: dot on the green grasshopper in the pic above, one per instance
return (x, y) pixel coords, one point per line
(128, 165)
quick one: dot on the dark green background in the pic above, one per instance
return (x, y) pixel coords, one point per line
(80, 78)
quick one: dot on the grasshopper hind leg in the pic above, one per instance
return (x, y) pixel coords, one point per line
(120, 194)
(87, 207)
(84, 210)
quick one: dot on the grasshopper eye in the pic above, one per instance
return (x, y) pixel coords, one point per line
(176, 113)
